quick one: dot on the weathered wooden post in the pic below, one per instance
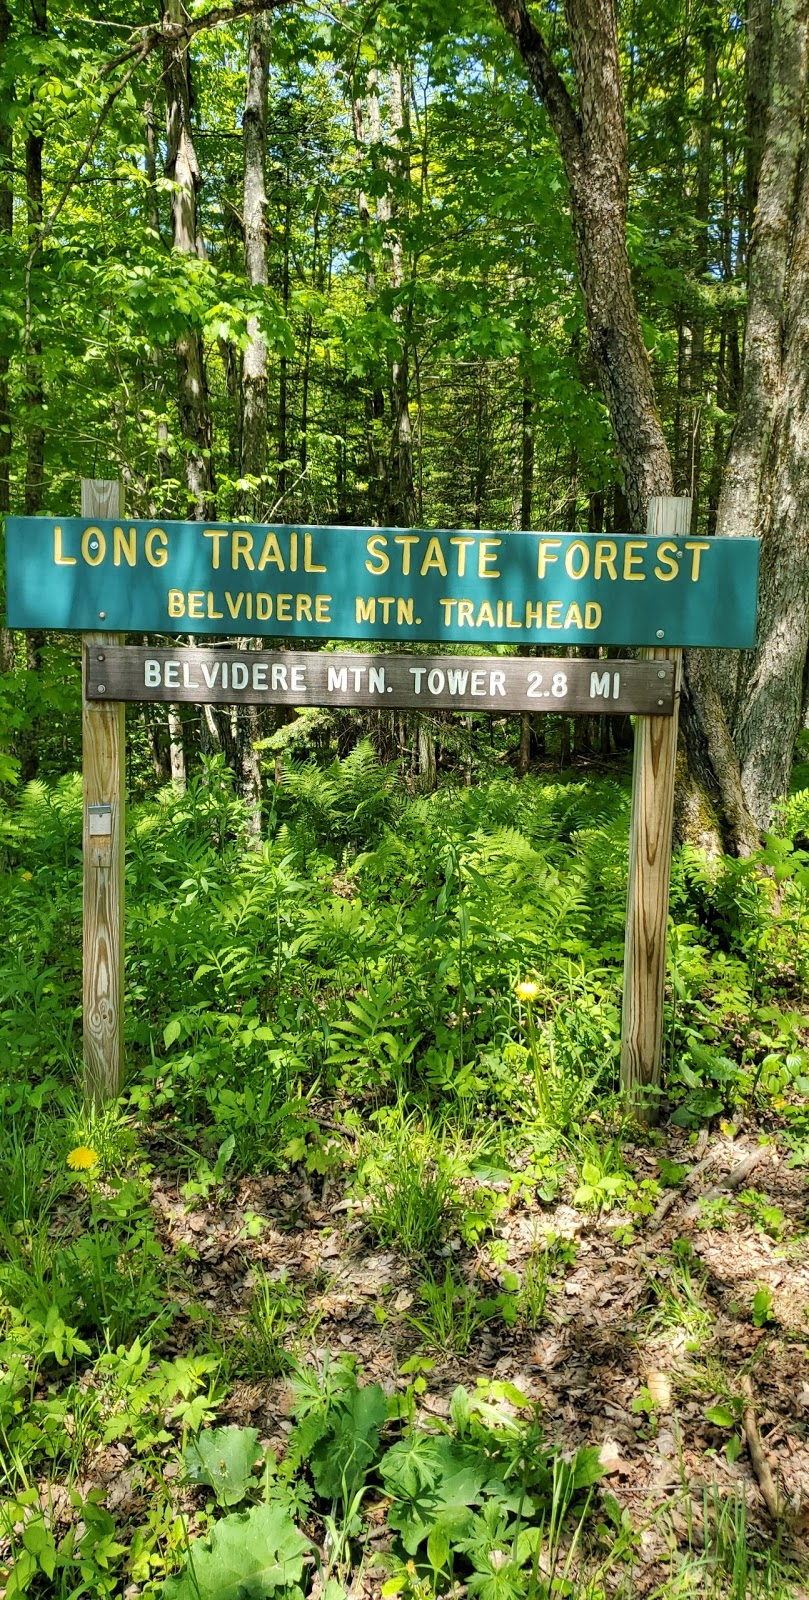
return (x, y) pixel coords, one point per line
(103, 846)
(650, 838)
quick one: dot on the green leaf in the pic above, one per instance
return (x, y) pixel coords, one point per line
(224, 1458)
(587, 1467)
(721, 1416)
(248, 1555)
(438, 1548)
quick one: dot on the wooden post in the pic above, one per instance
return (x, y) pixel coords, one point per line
(103, 845)
(650, 835)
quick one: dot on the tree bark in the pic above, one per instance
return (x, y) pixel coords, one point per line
(592, 140)
(183, 169)
(402, 500)
(766, 485)
(6, 228)
(254, 365)
(35, 389)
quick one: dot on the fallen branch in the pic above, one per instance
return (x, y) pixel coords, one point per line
(761, 1465)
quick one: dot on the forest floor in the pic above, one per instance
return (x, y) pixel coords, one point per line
(368, 1286)
(646, 1329)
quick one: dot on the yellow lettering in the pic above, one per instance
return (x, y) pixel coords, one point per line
(303, 608)
(433, 558)
(573, 617)
(196, 603)
(217, 535)
(466, 614)
(696, 546)
(546, 546)
(176, 603)
(485, 612)
(406, 540)
(271, 552)
(376, 547)
(212, 612)
(667, 552)
(283, 607)
(533, 615)
(449, 607)
(365, 610)
(322, 612)
(404, 611)
(124, 545)
(263, 607)
(461, 543)
(553, 614)
(486, 554)
(606, 551)
(234, 606)
(592, 614)
(386, 601)
(309, 564)
(93, 546)
(61, 560)
(242, 549)
(293, 552)
(511, 621)
(633, 554)
(583, 550)
(156, 557)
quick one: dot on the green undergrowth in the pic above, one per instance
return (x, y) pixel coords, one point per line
(412, 1003)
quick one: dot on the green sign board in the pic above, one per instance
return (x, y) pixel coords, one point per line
(479, 588)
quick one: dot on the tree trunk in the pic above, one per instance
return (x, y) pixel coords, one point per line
(254, 365)
(766, 485)
(6, 226)
(402, 498)
(182, 168)
(35, 390)
(592, 139)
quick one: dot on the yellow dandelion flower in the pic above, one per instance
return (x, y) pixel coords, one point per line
(527, 991)
(82, 1158)
(27, 876)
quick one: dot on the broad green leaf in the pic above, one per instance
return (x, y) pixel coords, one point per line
(223, 1458)
(250, 1555)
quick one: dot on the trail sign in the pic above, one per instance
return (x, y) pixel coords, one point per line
(389, 682)
(473, 587)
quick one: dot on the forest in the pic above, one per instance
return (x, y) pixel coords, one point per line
(367, 1271)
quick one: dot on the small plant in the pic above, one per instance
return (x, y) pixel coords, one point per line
(452, 1313)
(410, 1182)
(277, 1312)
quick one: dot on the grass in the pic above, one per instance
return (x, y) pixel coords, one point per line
(355, 1096)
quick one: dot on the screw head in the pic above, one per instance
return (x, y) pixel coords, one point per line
(101, 689)
(660, 634)
(660, 702)
(102, 616)
(661, 673)
(101, 657)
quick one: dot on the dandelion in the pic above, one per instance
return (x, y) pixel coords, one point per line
(82, 1158)
(27, 876)
(527, 991)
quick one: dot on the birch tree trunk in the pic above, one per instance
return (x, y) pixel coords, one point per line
(35, 391)
(183, 169)
(254, 364)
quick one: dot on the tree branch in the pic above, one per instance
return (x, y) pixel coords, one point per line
(544, 74)
(144, 40)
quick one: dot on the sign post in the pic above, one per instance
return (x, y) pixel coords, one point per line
(103, 848)
(650, 839)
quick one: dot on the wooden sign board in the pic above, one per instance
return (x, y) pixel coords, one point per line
(427, 683)
(471, 587)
